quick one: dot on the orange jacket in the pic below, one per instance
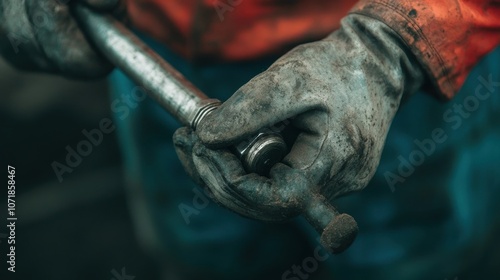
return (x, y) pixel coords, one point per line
(447, 36)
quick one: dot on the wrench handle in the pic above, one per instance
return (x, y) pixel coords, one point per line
(337, 231)
(190, 106)
(169, 87)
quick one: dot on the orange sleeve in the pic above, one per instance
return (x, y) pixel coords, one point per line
(448, 36)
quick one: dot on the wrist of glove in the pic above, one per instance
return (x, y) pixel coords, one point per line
(42, 35)
(340, 94)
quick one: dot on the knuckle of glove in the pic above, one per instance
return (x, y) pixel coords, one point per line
(356, 159)
(348, 145)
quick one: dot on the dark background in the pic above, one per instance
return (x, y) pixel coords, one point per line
(79, 228)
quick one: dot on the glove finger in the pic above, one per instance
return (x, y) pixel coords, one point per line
(271, 97)
(184, 140)
(19, 46)
(208, 163)
(277, 198)
(62, 41)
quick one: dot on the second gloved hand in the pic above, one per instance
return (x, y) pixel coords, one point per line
(340, 94)
(42, 35)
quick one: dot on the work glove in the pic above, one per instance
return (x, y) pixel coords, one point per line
(42, 35)
(339, 95)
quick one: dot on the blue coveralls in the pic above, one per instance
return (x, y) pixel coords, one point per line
(430, 212)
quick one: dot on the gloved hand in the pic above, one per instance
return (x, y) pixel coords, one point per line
(42, 35)
(340, 94)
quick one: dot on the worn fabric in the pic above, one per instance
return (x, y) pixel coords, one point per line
(448, 36)
(437, 220)
(431, 211)
(192, 236)
(236, 29)
(339, 94)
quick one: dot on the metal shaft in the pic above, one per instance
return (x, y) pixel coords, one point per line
(163, 83)
(189, 105)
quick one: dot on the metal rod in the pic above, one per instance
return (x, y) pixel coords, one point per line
(163, 83)
(189, 105)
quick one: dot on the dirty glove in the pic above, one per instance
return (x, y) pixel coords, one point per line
(340, 94)
(42, 35)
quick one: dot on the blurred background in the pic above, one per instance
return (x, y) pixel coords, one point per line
(79, 228)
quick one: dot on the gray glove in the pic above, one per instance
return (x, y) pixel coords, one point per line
(340, 94)
(42, 35)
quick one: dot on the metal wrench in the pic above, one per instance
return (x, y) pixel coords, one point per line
(189, 105)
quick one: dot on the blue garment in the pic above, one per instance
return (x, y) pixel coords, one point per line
(432, 222)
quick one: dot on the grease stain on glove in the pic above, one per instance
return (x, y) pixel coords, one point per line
(340, 93)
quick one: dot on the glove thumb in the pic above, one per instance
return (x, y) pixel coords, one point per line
(273, 96)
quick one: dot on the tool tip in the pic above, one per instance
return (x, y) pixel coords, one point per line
(339, 234)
